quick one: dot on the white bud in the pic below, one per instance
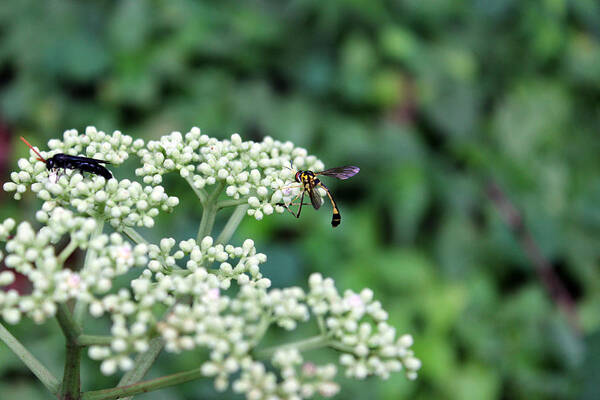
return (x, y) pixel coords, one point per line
(412, 363)
(248, 245)
(231, 191)
(97, 352)
(108, 367)
(268, 209)
(6, 278)
(125, 363)
(405, 340)
(148, 222)
(277, 197)
(10, 186)
(222, 174)
(255, 175)
(96, 309)
(262, 191)
(11, 315)
(236, 140)
(254, 202)
(103, 285)
(206, 243)
(154, 265)
(118, 345)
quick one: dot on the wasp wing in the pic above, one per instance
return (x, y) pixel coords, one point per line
(315, 198)
(69, 157)
(100, 161)
(92, 159)
(340, 172)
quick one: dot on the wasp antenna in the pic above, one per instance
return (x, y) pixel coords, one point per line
(291, 167)
(34, 150)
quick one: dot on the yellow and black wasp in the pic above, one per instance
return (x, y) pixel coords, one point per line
(310, 183)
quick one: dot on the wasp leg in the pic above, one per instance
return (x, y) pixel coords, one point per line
(59, 173)
(301, 202)
(336, 218)
(286, 205)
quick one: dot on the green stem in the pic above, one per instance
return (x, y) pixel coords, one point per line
(71, 384)
(40, 371)
(142, 363)
(232, 202)
(143, 387)
(342, 347)
(90, 255)
(70, 329)
(67, 251)
(199, 192)
(265, 322)
(79, 311)
(234, 221)
(134, 235)
(321, 324)
(217, 192)
(314, 342)
(92, 340)
(209, 212)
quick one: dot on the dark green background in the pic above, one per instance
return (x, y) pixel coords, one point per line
(433, 99)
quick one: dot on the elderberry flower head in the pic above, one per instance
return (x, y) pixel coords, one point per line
(200, 293)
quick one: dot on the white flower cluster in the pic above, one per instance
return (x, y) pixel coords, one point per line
(113, 257)
(6, 228)
(121, 202)
(201, 322)
(371, 350)
(33, 254)
(205, 312)
(195, 293)
(256, 172)
(299, 380)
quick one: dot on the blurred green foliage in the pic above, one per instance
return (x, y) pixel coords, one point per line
(431, 98)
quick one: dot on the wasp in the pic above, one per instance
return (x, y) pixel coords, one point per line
(64, 161)
(310, 183)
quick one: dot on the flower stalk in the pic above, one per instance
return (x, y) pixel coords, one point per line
(90, 255)
(209, 212)
(71, 385)
(143, 387)
(67, 251)
(94, 340)
(134, 235)
(232, 224)
(315, 342)
(201, 193)
(232, 202)
(142, 364)
(35, 366)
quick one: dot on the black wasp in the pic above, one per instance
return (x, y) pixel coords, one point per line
(64, 161)
(310, 183)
